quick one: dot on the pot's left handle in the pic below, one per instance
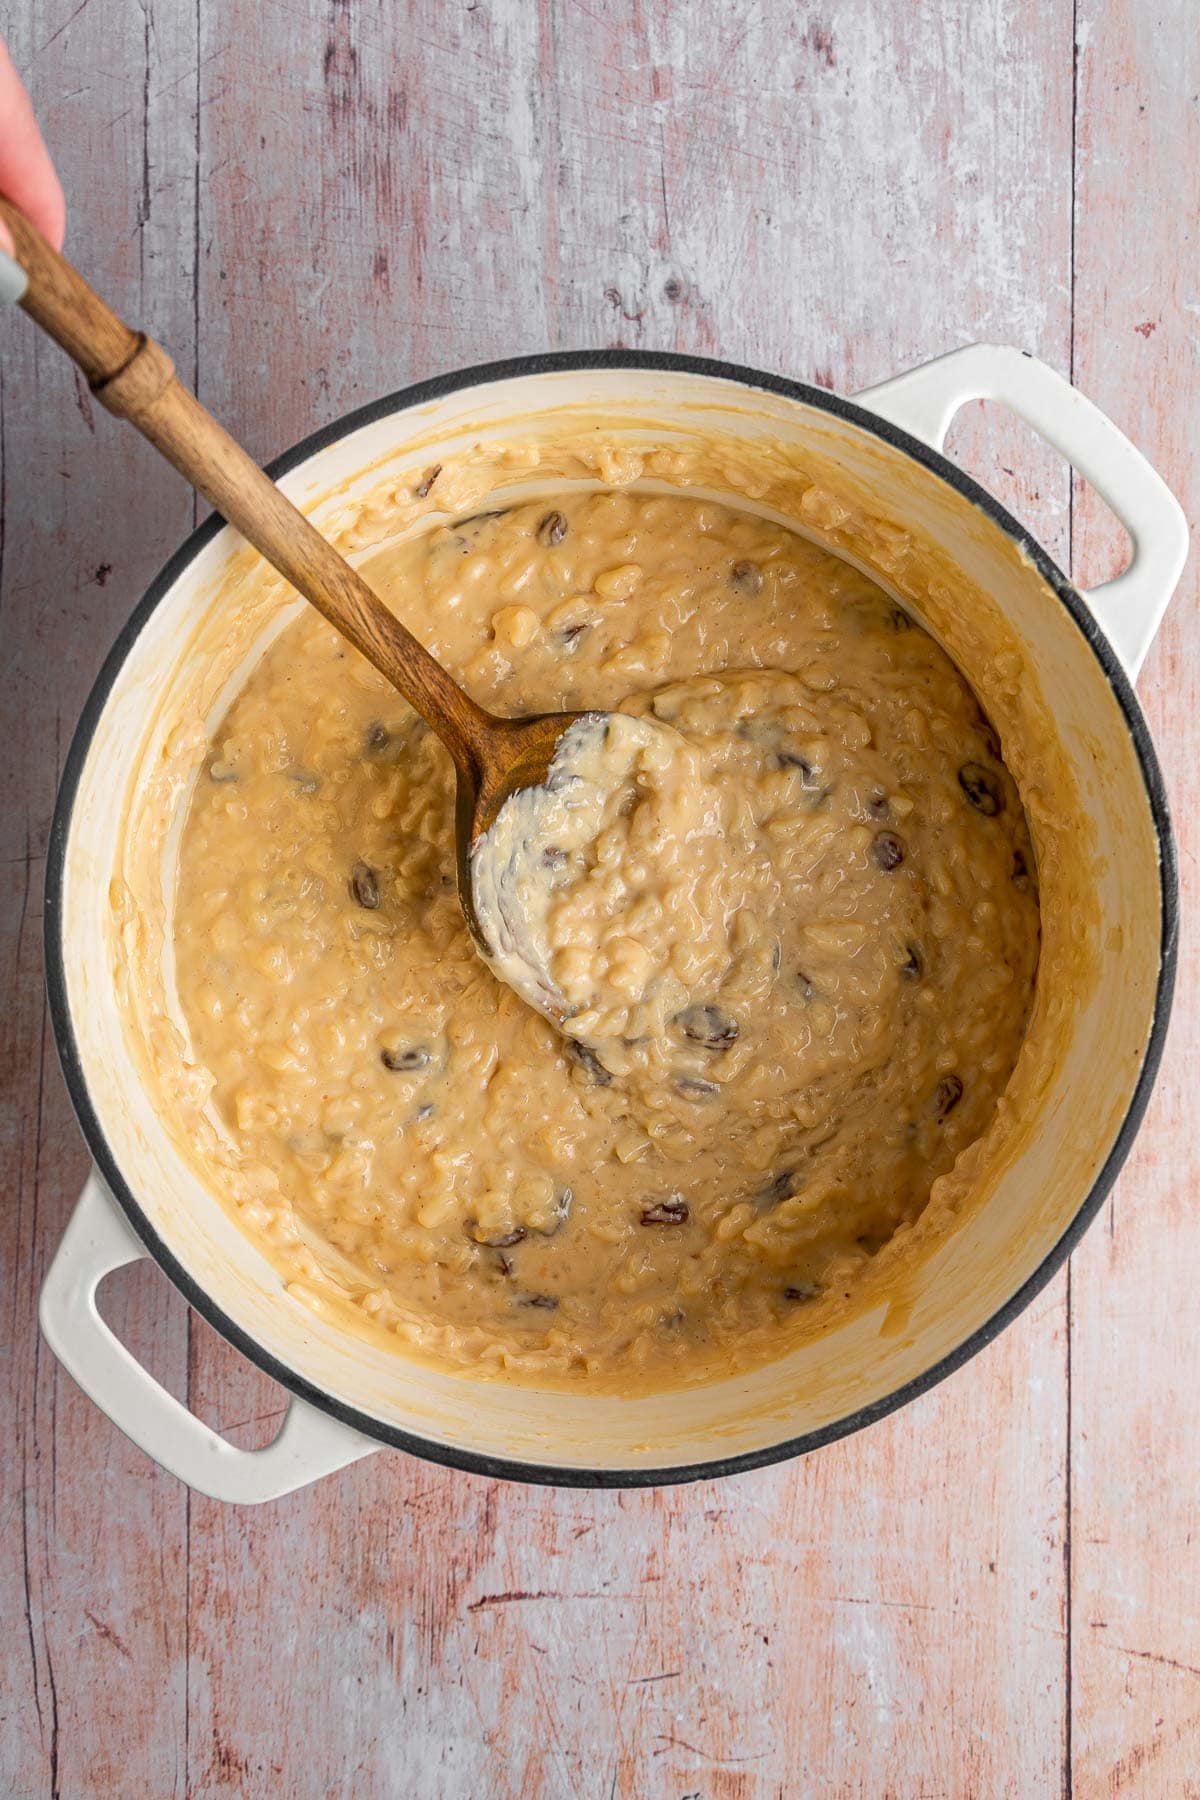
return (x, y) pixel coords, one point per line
(97, 1240)
(924, 400)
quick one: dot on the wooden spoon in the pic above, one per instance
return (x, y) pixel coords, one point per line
(134, 378)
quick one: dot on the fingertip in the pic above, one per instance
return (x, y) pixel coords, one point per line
(55, 226)
(6, 242)
(13, 280)
(47, 206)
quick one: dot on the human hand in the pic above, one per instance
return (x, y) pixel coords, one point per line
(27, 175)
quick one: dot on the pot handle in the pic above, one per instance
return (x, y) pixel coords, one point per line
(99, 1239)
(923, 401)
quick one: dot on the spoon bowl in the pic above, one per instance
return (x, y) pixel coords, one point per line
(519, 756)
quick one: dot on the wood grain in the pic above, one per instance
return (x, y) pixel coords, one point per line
(618, 182)
(992, 1594)
(94, 1556)
(1135, 1298)
(132, 377)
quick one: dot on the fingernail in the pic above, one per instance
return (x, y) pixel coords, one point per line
(13, 280)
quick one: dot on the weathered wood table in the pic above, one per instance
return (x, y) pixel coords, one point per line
(996, 1591)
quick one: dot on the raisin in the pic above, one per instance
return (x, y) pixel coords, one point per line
(887, 851)
(747, 577)
(364, 886)
(496, 1240)
(982, 789)
(708, 1025)
(694, 1087)
(405, 1062)
(674, 1211)
(913, 967)
(780, 1187)
(552, 529)
(806, 984)
(802, 1290)
(553, 857)
(585, 1058)
(381, 744)
(947, 1094)
(570, 635)
(547, 1302)
(878, 806)
(427, 481)
(1020, 871)
(791, 759)
(989, 734)
(898, 619)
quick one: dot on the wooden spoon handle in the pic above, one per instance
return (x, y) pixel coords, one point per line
(134, 378)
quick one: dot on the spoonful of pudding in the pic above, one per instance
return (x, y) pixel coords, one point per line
(583, 890)
(531, 793)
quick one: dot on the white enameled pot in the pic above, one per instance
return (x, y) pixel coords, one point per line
(350, 1397)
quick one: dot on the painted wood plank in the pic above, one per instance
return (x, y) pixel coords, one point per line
(800, 1630)
(830, 198)
(93, 1554)
(1135, 1440)
(945, 155)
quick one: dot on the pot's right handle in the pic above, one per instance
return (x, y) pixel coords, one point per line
(99, 1239)
(924, 400)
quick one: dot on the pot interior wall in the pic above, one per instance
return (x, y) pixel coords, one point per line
(951, 1291)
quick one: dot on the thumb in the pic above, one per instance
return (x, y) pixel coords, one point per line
(13, 280)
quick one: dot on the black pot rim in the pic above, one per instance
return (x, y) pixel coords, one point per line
(550, 1474)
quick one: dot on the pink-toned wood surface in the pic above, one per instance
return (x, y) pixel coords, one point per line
(996, 1592)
